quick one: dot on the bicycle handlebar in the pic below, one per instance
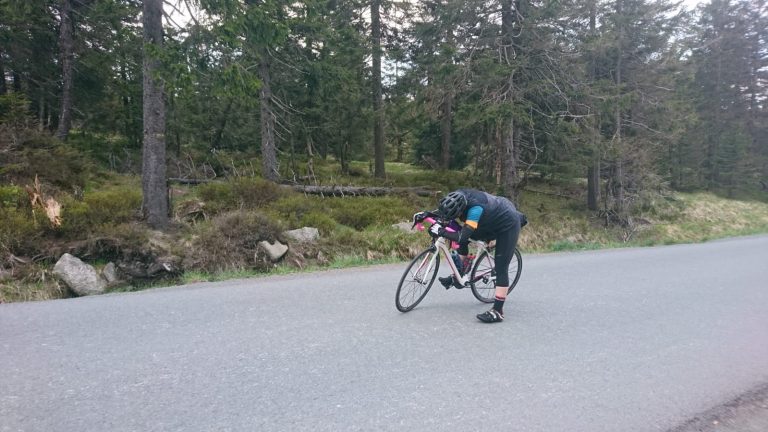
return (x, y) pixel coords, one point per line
(432, 220)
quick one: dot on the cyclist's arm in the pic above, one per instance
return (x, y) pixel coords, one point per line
(473, 217)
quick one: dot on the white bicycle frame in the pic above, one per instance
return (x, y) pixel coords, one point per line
(442, 248)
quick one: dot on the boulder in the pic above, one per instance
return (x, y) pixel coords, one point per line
(160, 267)
(405, 226)
(109, 273)
(322, 259)
(80, 277)
(166, 265)
(302, 235)
(275, 251)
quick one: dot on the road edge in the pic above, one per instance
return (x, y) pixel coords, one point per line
(732, 415)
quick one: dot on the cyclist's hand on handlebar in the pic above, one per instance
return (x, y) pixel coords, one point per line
(418, 217)
(436, 230)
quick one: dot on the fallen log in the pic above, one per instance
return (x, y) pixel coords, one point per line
(188, 181)
(342, 191)
(334, 191)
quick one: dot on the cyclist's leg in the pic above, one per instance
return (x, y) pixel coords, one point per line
(463, 252)
(450, 280)
(505, 250)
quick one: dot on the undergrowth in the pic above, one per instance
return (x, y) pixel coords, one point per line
(218, 225)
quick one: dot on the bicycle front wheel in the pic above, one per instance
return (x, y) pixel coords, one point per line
(483, 276)
(417, 280)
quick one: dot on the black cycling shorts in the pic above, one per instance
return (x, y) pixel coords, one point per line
(506, 241)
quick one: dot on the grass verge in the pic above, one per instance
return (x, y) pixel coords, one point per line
(219, 226)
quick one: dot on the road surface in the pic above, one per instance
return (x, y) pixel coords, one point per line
(646, 339)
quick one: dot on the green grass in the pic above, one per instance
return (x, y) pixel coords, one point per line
(345, 261)
(565, 245)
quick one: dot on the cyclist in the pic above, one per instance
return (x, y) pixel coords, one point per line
(485, 217)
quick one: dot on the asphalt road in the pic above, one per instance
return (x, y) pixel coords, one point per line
(618, 340)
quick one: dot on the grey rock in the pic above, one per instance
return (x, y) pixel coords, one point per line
(133, 270)
(301, 235)
(109, 273)
(275, 251)
(80, 277)
(405, 226)
(165, 265)
(160, 267)
(322, 259)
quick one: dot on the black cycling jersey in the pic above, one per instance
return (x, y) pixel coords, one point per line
(499, 214)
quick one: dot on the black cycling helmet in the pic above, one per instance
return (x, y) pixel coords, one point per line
(452, 205)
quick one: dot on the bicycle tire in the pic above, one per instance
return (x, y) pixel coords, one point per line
(482, 279)
(412, 297)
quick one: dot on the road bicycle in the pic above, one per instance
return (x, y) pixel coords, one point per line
(422, 271)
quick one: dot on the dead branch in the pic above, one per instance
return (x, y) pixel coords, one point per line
(549, 193)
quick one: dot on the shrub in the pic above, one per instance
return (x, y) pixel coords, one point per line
(74, 217)
(239, 193)
(254, 192)
(357, 212)
(12, 197)
(319, 220)
(230, 241)
(360, 213)
(218, 196)
(20, 231)
(114, 205)
(107, 207)
(292, 208)
(378, 242)
(53, 162)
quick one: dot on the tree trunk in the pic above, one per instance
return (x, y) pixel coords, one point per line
(714, 141)
(446, 107)
(445, 129)
(593, 185)
(268, 149)
(153, 172)
(509, 20)
(509, 162)
(345, 156)
(593, 170)
(619, 180)
(498, 165)
(378, 111)
(219, 134)
(16, 82)
(66, 49)
(399, 147)
(310, 161)
(3, 87)
(41, 110)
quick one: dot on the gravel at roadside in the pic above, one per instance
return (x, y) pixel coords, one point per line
(746, 413)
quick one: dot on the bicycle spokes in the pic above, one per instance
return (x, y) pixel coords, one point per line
(416, 280)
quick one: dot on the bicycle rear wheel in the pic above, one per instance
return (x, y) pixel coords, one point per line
(417, 280)
(483, 276)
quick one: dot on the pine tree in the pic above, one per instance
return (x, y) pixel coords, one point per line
(153, 177)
